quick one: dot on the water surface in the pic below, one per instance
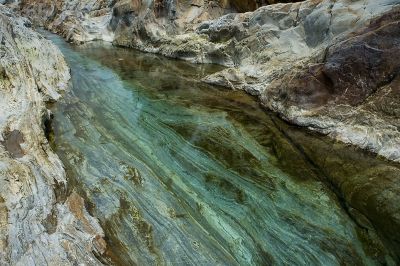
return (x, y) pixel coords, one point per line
(182, 173)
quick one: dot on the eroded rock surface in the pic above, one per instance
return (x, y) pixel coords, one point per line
(201, 144)
(319, 65)
(36, 226)
(292, 55)
(82, 21)
(329, 65)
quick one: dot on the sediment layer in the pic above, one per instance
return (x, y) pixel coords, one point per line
(321, 64)
(329, 66)
(39, 223)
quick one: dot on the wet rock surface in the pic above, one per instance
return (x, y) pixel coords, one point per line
(319, 65)
(329, 66)
(36, 228)
(352, 94)
(369, 189)
(179, 172)
(303, 59)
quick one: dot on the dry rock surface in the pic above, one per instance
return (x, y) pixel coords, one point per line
(39, 223)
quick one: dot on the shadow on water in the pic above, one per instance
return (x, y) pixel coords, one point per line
(182, 173)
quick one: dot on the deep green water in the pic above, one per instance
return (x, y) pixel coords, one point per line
(181, 173)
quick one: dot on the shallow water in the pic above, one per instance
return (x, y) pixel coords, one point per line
(182, 173)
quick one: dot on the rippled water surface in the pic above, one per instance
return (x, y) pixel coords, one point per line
(181, 173)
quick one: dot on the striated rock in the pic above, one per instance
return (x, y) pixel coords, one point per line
(323, 64)
(77, 21)
(218, 190)
(369, 187)
(37, 225)
(352, 92)
(342, 81)
(317, 65)
(291, 55)
(82, 21)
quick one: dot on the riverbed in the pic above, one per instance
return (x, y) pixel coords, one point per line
(182, 173)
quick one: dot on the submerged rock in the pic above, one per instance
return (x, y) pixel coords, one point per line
(294, 56)
(36, 226)
(179, 172)
(318, 65)
(326, 65)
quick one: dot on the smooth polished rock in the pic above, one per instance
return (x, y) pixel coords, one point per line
(179, 172)
(38, 226)
(77, 21)
(264, 49)
(351, 94)
(303, 65)
(326, 65)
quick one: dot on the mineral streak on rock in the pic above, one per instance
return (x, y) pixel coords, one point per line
(35, 229)
(297, 57)
(179, 172)
(328, 65)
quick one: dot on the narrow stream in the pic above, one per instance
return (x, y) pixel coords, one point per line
(182, 173)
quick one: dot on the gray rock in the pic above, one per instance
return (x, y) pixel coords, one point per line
(37, 226)
(326, 65)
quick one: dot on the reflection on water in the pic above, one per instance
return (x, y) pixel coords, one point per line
(180, 173)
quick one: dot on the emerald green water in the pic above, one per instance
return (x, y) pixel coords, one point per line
(181, 173)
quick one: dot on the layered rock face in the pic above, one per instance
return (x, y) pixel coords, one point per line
(329, 65)
(316, 63)
(40, 224)
(319, 66)
(82, 21)
(78, 21)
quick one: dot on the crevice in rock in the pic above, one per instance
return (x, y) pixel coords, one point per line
(330, 12)
(322, 176)
(48, 128)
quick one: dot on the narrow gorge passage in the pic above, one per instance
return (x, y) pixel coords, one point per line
(182, 173)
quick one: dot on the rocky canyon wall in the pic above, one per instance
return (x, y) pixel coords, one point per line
(39, 223)
(329, 66)
(292, 55)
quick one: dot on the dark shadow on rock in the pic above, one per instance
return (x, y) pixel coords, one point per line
(12, 143)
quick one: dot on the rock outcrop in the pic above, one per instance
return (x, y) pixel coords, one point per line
(318, 66)
(40, 224)
(82, 21)
(78, 21)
